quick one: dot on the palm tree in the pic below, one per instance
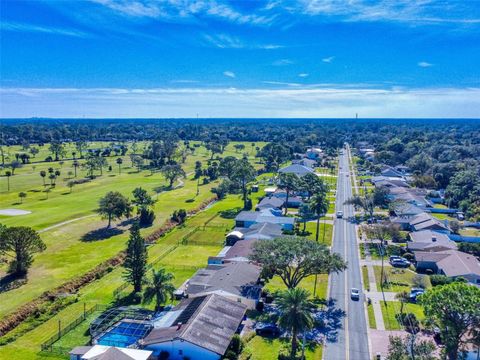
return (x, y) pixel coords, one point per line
(8, 173)
(319, 205)
(288, 182)
(159, 287)
(75, 164)
(22, 195)
(295, 313)
(403, 298)
(119, 162)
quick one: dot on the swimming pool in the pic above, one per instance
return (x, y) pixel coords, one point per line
(124, 334)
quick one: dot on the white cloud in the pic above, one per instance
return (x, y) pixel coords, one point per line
(23, 27)
(424, 64)
(174, 9)
(282, 62)
(227, 102)
(303, 75)
(230, 74)
(328, 59)
(225, 41)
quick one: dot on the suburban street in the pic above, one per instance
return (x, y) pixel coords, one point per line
(351, 338)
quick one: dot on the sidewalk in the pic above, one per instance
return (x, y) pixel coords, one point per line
(372, 294)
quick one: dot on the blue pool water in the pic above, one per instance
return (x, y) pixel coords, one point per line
(124, 334)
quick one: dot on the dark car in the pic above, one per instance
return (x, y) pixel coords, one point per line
(267, 329)
(401, 263)
(414, 293)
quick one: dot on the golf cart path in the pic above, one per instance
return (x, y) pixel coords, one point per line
(65, 223)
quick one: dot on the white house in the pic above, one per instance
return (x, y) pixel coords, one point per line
(201, 329)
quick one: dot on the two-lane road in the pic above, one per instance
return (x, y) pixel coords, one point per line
(351, 341)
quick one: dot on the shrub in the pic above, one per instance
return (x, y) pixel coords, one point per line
(409, 321)
(409, 256)
(440, 280)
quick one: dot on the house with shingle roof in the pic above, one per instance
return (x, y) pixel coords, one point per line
(296, 169)
(427, 240)
(425, 221)
(451, 263)
(200, 328)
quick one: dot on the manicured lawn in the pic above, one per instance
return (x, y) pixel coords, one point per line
(442, 216)
(262, 348)
(308, 284)
(400, 279)
(312, 228)
(393, 307)
(371, 317)
(366, 282)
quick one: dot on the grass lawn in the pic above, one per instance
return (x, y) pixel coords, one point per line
(366, 282)
(470, 232)
(262, 348)
(442, 216)
(312, 228)
(400, 279)
(308, 284)
(371, 317)
(393, 307)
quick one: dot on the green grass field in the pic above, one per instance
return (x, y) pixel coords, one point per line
(393, 307)
(400, 279)
(262, 348)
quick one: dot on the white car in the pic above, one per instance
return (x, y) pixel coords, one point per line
(355, 294)
(339, 214)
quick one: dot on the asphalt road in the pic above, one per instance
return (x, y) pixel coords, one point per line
(351, 340)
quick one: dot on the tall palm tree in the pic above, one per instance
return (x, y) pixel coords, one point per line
(319, 205)
(295, 313)
(159, 287)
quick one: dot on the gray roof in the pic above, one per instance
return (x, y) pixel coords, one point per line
(427, 240)
(297, 169)
(271, 202)
(211, 326)
(406, 209)
(239, 279)
(425, 221)
(241, 250)
(451, 262)
(261, 231)
(80, 350)
(262, 217)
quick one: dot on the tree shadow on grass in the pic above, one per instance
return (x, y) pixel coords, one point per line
(11, 282)
(101, 234)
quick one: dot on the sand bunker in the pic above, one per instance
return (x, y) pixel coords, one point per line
(14, 212)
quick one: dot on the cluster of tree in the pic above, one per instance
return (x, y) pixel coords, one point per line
(179, 216)
(237, 174)
(20, 243)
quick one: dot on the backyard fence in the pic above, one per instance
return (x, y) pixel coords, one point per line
(62, 330)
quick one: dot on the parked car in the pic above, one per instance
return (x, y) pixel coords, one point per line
(394, 257)
(339, 214)
(414, 292)
(401, 263)
(267, 329)
(355, 294)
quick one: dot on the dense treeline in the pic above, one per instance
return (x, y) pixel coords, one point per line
(442, 153)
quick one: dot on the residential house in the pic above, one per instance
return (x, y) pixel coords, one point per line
(197, 328)
(389, 182)
(100, 352)
(238, 281)
(260, 231)
(314, 153)
(296, 169)
(238, 252)
(451, 263)
(294, 199)
(246, 219)
(425, 221)
(406, 211)
(272, 202)
(389, 171)
(306, 162)
(427, 240)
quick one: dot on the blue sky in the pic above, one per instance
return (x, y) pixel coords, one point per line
(278, 58)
